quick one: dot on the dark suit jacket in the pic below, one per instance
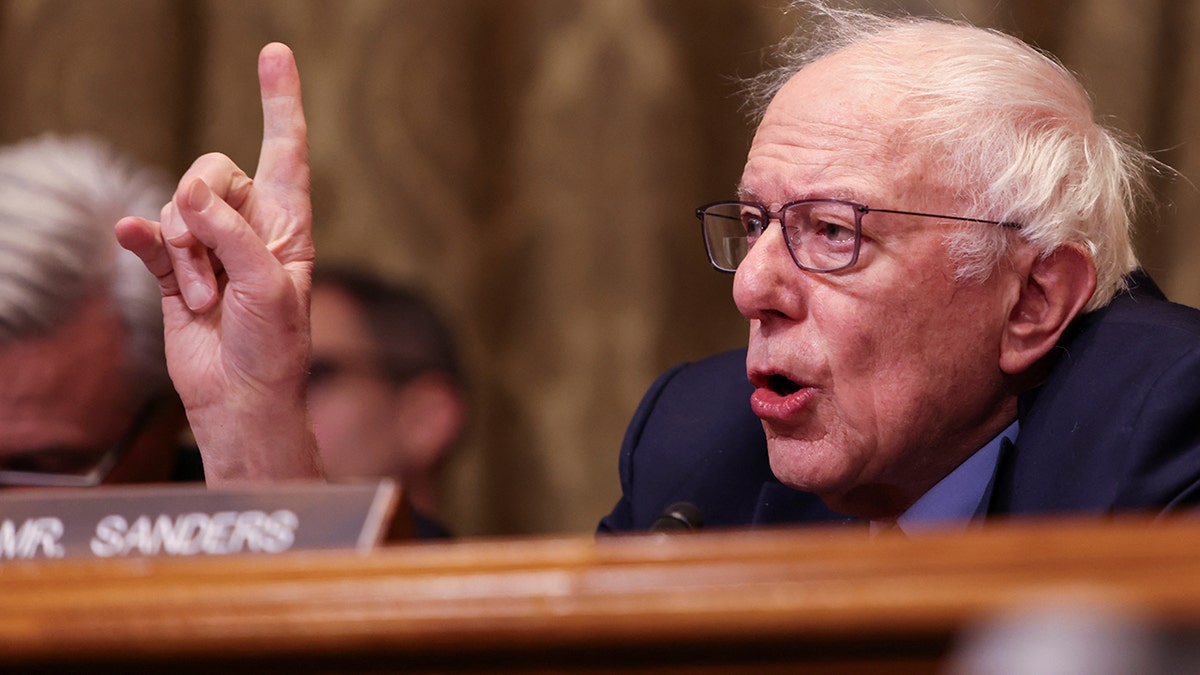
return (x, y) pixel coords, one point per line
(1115, 426)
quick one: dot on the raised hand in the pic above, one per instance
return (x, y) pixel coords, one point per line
(233, 257)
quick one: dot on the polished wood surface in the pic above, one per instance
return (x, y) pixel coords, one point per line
(813, 600)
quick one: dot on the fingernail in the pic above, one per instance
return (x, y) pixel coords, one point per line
(196, 295)
(172, 227)
(199, 195)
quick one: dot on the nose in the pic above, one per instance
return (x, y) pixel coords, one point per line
(767, 281)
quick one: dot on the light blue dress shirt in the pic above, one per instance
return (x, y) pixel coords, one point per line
(963, 495)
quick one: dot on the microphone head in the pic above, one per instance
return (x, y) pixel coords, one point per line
(680, 516)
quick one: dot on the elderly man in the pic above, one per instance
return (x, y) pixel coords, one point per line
(85, 396)
(931, 243)
(928, 242)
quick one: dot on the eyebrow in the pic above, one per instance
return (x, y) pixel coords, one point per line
(747, 195)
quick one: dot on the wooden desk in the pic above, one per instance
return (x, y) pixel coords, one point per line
(815, 600)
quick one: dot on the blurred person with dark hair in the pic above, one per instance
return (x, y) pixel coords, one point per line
(85, 397)
(385, 389)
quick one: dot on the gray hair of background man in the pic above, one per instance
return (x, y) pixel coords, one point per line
(1009, 130)
(59, 201)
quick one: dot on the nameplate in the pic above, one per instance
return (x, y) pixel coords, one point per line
(191, 520)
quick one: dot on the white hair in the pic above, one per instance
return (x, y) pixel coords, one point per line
(1007, 129)
(59, 201)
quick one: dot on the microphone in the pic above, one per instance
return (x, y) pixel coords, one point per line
(678, 517)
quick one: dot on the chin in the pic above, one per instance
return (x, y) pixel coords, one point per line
(808, 466)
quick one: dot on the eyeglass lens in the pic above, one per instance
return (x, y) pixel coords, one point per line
(821, 235)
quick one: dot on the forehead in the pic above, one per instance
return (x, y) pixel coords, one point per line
(830, 133)
(338, 325)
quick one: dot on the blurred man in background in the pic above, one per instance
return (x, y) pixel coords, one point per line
(84, 397)
(385, 389)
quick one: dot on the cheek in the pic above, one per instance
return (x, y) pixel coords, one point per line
(923, 363)
(337, 417)
(870, 334)
(886, 354)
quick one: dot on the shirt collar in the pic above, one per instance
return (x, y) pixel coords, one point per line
(963, 495)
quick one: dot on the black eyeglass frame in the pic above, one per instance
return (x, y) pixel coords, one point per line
(859, 211)
(322, 368)
(98, 471)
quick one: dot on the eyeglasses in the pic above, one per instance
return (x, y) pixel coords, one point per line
(72, 467)
(324, 369)
(822, 235)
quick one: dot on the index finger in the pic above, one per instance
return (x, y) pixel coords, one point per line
(283, 159)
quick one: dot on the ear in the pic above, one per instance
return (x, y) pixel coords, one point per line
(430, 415)
(1053, 293)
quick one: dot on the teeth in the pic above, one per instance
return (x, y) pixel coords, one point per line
(782, 385)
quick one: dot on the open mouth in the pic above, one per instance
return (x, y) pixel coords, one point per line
(782, 385)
